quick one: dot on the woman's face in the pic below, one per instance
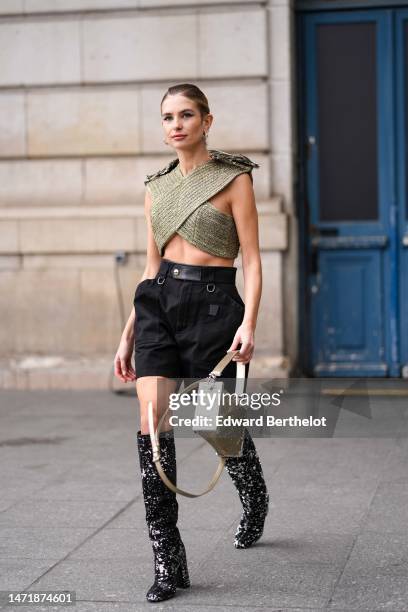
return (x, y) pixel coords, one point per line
(181, 117)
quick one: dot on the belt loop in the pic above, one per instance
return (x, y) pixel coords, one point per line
(210, 275)
(168, 266)
(162, 276)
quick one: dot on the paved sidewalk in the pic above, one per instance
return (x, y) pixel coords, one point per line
(72, 515)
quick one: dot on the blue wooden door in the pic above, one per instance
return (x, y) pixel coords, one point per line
(349, 210)
(401, 24)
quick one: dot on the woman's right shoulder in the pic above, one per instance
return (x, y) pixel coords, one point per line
(162, 171)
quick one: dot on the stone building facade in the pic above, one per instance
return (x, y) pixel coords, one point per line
(81, 83)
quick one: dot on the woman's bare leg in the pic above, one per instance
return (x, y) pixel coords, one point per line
(156, 389)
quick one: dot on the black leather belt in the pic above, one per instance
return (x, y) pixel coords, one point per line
(220, 274)
(184, 273)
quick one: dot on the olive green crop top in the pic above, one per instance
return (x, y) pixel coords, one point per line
(180, 203)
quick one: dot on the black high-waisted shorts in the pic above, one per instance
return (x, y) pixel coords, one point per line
(186, 319)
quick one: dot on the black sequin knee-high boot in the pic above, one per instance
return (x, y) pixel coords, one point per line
(246, 474)
(170, 562)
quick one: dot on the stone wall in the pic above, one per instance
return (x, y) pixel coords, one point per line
(80, 88)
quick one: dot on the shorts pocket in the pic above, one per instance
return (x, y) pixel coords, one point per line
(141, 286)
(147, 312)
(223, 304)
(230, 293)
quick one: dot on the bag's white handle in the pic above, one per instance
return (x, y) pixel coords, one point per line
(220, 367)
(154, 435)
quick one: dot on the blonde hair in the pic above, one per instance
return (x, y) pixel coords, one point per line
(192, 92)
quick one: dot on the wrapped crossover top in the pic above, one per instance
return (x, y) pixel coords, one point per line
(180, 203)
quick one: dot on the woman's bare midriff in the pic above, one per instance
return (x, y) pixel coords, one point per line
(178, 249)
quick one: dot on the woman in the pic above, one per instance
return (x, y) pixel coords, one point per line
(188, 313)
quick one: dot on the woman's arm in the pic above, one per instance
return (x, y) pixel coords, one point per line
(246, 220)
(151, 268)
(123, 363)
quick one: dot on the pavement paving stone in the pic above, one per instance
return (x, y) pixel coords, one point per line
(389, 508)
(40, 542)
(378, 554)
(16, 574)
(373, 593)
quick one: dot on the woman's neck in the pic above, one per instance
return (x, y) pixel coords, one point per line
(190, 160)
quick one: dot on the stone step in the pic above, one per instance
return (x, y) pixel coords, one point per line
(105, 229)
(59, 372)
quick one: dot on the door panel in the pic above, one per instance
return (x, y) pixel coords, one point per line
(350, 325)
(401, 25)
(350, 141)
(349, 216)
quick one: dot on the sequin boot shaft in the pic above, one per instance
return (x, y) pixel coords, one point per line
(247, 476)
(170, 561)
